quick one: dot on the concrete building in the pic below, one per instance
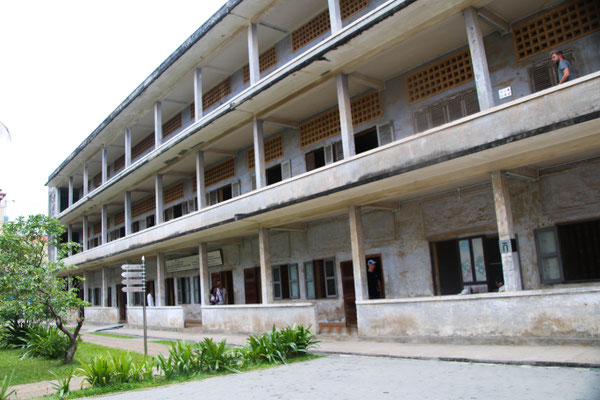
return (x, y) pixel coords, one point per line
(285, 144)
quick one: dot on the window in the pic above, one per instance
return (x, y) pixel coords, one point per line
(109, 297)
(285, 282)
(278, 173)
(569, 252)
(472, 261)
(320, 279)
(183, 290)
(135, 227)
(223, 193)
(196, 280)
(447, 110)
(544, 75)
(94, 242)
(149, 221)
(96, 299)
(176, 211)
(116, 234)
(327, 154)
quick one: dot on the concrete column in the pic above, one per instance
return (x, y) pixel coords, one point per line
(200, 182)
(127, 147)
(253, 56)
(511, 268)
(159, 285)
(335, 15)
(358, 253)
(70, 191)
(85, 232)
(104, 153)
(127, 213)
(266, 273)
(85, 287)
(198, 110)
(175, 290)
(104, 287)
(259, 154)
(160, 215)
(70, 237)
(86, 179)
(343, 94)
(204, 277)
(157, 124)
(104, 224)
(481, 71)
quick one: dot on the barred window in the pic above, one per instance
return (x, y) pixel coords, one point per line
(273, 150)
(220, 172)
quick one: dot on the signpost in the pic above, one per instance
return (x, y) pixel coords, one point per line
(135, 282)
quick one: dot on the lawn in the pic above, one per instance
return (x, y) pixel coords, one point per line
(39, 369)
(113, 335)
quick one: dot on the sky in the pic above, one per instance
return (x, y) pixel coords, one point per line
(65, 65)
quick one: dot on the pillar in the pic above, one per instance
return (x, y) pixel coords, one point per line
(104, 287)
(104, 153)
(198, 110)
(204, 277)
(358, 254)
(86, 179)
(159, 285)
(127, 213)
(200, 182)
(85, 232)
(85, 287)
(481, 72)
(157, 124)
(127, 147)
(104, 225)
(259, 154)
(511, 269)
(335, 15)
(253, 56)
(70, 191)
(70, 237)
(266, 274)
(343, 94)
(160, 215)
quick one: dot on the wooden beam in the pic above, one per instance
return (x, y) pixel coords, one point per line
(286, 123)
(367, 80)
(294, 227)
(527, 173)
(493, 19)
(383, 205)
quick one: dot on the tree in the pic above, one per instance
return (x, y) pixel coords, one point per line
(31, 284)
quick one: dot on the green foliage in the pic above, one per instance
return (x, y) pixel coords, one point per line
(14, 334)
(45, 341)
(116, 369)
(98, 372)
(62, 386)
(278, 346)
(182, 360)
(4, 393)
(217, 357)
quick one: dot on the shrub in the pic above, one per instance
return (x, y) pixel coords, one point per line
(278, 346)
(99, 371)
(62, 386)
(4, 393)
(42, 341)
(14, 334)
(216, 357)
(183, 360)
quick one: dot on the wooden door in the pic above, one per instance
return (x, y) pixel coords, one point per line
(122, 303)
(170, 292)
(349, 294)
(447, 265)
(252, 289)
(226, 278)
(150, 289)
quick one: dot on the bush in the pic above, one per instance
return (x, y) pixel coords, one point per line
(14, 334)
(99, 372)
(217, 357)
(42, 341)
(106, 370)
(278, 346)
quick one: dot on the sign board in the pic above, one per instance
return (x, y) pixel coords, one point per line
(133, 274)
(133, 289)
(129, 282)
(132, 267)
(215, 258)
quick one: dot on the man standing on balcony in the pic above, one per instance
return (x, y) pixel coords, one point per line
(564, 67)
(220, 293)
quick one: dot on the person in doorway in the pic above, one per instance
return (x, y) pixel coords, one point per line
(563, 67)
(373, 280)
(500, 285)
(213, 299)
(150, 300)
(221, 293)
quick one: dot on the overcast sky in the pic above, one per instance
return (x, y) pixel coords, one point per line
(64, 66)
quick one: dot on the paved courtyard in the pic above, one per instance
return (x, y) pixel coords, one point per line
(369, 378)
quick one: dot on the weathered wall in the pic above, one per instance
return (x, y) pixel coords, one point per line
(102, 315)
(156, 317)
(554, 313)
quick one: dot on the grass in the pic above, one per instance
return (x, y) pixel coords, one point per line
(164, 342)
(39, 369)
(160, 381)
(113, 335)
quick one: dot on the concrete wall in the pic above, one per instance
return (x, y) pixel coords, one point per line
(257, 318)
(556, 313)
(169, 318)
(102, 315)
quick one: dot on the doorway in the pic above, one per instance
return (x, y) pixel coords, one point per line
(122, 303)
(170, 292)
(252, 289)
(349, 294)
(226, 278)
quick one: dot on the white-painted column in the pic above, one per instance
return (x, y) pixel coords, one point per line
(104, 224)
(200, 181)
(204, 277)
(70, 237)
(253, 56)
(358, 253)
(104, 153)
(266, 273)
(104, 287)
(481, 71)
(259, 154)
(335, 15)
(157, 124)
(160, 215)
(127, 213)
(176, 290)
(70, 191)
(511, 268)
(347, 129)
(159, 284)
(198, 110)
(127, 147)
(85, 232)
(86, 285)
(86, 179)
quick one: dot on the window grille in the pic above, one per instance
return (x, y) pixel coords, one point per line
(220, 172)
(143, 207)
(273, 150)
(439, 77)
(216, 94)
(558, 26)
(119, 218)
(97, 229)
(119, 163)
(171, 125)
(449, 109)
(265, 61)
(140, 148)
(173, 193)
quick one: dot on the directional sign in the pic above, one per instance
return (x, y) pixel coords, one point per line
(130, 282)
(133, 274)
(134, 289)
(132, 267)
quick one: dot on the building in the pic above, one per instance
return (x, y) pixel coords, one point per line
(3, 204)
(285, 144)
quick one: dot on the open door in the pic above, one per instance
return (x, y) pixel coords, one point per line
(226, 278)
(122, 303)
(349, 294)
(169, 291)
(252, 289)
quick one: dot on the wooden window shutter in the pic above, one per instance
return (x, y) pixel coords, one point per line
(541, 77)
(253, 182)
(421, 120)
(455, 109)
(310, 161)
(286, 170)
(438, 115)
(328, 150)
(338, 151)
(471, 102)
(385, 133)
(235, 189)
